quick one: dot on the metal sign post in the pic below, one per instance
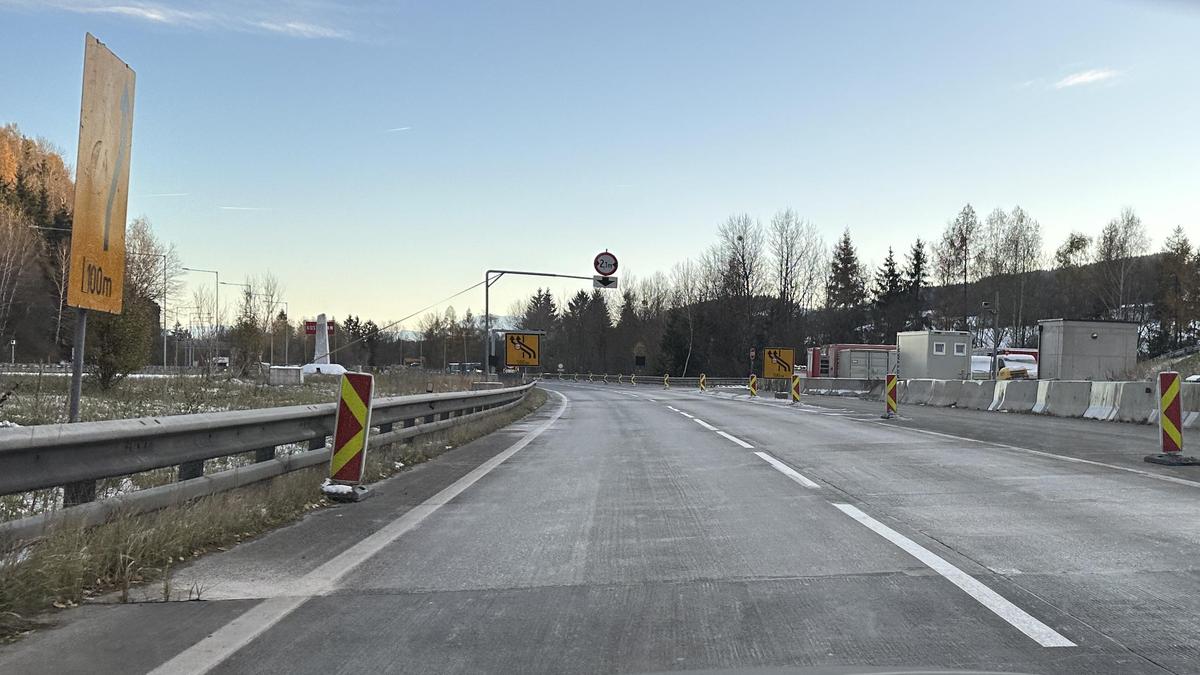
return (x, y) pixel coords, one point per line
(97, 265)
(490, 277)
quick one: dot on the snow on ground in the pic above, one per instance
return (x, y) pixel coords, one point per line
(7, 424)
(324, 369)
(335, 489)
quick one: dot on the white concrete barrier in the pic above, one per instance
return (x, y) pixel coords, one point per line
(1190, 396)
(917, 392)
(1136, 402)
(998, 394)
(1102, 402)
(1015, 395)
(976, 394)
(945, 393)
(1042, 401)
(1063, 398)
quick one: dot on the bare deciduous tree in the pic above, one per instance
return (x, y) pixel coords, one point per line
(18, 251)
(1120, 243)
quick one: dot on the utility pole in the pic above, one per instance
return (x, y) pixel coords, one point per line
(993, 308)
(216, 303)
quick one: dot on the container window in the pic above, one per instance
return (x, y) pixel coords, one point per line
(939, 348)
(960, 349)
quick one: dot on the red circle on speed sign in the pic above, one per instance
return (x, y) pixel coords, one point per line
(605, 264)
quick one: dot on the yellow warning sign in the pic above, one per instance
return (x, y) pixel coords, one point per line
(101, 182)
(523, 349)
(778, 362)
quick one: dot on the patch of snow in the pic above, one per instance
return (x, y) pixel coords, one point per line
(324, 369)
(6, 423)
(335, 489)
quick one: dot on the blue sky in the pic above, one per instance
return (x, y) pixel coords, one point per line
(381, 155)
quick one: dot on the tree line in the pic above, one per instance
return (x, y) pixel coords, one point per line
(757, 284)
(778, 284)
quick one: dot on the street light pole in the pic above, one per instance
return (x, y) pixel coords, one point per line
(993, 308)
(216, 302)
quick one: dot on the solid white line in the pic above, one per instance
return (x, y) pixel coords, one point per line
(1017, 617)
(1031, 451)
(735, 439)
(788, 471)
(704, 424)
(1063, 458)
(225, 641)
(671, 407)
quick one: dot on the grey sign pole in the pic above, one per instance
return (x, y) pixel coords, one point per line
(488, 280)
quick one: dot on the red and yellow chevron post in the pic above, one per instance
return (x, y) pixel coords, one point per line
(753, 384)
(1170, 421)
(795, 388)
(666, 380)
(889, 396)
(352, 425)
(703, 382)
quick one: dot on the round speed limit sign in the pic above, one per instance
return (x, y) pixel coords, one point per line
(605, 264)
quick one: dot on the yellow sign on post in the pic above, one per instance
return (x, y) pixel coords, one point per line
(523, 349)
(97, 276)
(778, 363)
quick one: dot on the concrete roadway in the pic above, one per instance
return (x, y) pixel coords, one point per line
(641, 530)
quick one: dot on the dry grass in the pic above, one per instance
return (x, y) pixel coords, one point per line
(42, 399)
(72, 564)
(1185, 366)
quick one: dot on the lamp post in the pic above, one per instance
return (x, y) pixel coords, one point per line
(271, 312)
(993, 308)
(216, 303)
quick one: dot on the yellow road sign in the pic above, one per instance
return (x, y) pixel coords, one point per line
(778, 362)
(523, 349)
(97, 277)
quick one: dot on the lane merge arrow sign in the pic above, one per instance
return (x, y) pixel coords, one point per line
(604, 282)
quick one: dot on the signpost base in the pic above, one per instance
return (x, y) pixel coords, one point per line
(1173, 459)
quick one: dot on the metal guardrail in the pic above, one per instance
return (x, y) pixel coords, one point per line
(50, 455)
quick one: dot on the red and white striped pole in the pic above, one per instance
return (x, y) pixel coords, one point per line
(1170, 422)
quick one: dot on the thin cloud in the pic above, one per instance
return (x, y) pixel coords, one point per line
(152, 13)
(398, 129)
(1083, 77)
(264, 18)
(301, 29)
(244, 208)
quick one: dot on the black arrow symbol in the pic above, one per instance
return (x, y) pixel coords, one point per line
(519, 343)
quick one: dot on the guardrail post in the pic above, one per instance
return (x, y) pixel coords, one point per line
(409, 423)
(79, 493)
(385, 428)
(264, 454)
(190, 470)
(316, 443)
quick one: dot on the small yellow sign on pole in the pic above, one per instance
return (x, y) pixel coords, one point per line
(778, 363)
(523, 349)
(97, 277)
